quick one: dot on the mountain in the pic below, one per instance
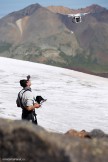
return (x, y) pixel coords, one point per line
(64, 10)
(49, 36)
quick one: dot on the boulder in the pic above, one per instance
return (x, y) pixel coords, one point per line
(97, 133)
(75, 133)
(24, 141)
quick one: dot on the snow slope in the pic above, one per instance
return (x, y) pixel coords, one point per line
(74, 99)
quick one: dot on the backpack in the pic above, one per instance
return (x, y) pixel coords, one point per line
(19, 99)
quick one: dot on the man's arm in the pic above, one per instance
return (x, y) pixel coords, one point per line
(30, 104)
(36, 105)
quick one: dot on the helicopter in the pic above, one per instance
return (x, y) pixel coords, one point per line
(77, 18)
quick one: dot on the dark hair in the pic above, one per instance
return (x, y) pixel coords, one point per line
(23, 83)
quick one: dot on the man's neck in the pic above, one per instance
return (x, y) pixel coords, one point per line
(27, 88)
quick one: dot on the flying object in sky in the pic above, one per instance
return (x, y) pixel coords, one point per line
(77, 18)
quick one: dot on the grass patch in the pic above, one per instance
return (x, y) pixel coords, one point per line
(82, 61)
(4, 46)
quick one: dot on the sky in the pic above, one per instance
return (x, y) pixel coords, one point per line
(8, 6)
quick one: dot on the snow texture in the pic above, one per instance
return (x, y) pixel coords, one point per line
(74, 99)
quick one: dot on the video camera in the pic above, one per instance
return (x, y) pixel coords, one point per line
(40, 99)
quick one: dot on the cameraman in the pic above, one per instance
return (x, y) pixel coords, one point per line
(26, 101)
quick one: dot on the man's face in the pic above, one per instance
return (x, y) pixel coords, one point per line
(28, 83)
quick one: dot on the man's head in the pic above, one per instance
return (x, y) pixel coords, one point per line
(25, 83)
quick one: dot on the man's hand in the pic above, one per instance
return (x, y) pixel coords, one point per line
(36, 105)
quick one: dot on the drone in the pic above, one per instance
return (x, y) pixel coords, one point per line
(76, 18)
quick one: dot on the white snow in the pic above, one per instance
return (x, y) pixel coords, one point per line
(74, 99)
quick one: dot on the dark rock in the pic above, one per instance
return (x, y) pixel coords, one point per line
(97, 133)
(23, 141)
(26, 142)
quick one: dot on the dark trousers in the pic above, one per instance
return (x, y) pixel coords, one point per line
(29, 116)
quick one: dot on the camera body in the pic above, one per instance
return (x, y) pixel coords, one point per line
(40, 99)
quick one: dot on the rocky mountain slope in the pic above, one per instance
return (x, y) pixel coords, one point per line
(64, 10)
(49, 36)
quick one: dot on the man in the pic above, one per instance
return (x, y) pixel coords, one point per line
(27, 102)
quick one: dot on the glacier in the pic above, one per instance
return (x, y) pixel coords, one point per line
(74, 100)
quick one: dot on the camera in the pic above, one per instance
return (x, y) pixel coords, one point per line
(40, 99)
